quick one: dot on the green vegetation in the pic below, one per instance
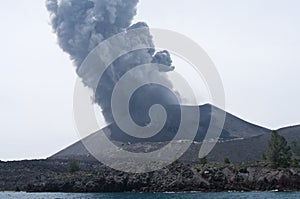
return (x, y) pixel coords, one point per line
(294, 163)
(296, 147)
(226, 160)
(263, 156)
(203, 161)
(73, 166)
(279, 153)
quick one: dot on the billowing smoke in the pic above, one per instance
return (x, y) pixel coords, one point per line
(81, 25)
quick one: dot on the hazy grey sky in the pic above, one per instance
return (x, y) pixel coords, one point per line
(254, 44)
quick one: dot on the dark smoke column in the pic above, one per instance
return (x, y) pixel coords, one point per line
(81, 25)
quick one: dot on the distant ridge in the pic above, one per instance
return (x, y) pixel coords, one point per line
(251, 149)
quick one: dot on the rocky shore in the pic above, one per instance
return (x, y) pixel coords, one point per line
(53, 176)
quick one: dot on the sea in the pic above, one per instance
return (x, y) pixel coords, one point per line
(195, 195)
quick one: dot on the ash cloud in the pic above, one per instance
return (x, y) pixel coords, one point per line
(80, 25)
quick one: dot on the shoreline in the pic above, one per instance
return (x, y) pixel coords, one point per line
(179, 192)
(52, 176)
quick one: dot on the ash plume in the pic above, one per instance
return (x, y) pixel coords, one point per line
(80, 25)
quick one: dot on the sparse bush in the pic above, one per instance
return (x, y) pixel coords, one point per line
(294, 163)
(73, 166)
(296, 147)
(263, 156)
(203, 161)
(226, 160)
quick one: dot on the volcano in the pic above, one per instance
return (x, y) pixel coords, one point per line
(240, 141)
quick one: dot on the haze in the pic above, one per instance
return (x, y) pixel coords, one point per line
(254, 44)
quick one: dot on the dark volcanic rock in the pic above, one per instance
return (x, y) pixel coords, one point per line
(52, 176)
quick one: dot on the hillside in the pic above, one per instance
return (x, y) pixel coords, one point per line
(237, 139)
(250, 149)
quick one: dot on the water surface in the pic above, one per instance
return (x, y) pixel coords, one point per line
(198, 195)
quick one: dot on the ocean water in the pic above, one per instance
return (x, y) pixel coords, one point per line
(196, 195)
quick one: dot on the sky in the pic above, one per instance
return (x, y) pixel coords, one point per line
(254, 44)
